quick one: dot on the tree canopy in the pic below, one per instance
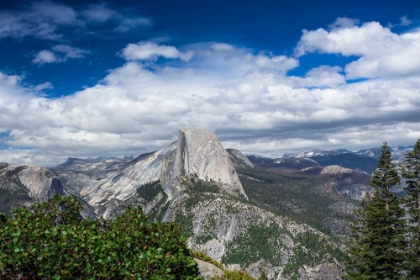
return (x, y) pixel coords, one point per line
(52, 241)
(378, 243)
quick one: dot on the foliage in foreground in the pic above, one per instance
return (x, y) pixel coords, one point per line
(52, 241)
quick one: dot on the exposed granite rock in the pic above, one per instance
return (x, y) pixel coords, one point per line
(200, 152)
(100, 181)
(209, 271)
(38, 183)
(41, 183)
(351, 184)
(335, 169)
(324, 271)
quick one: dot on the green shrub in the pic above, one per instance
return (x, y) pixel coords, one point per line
(229, 274)
(205, 258)
(52, 241)
(238, 275)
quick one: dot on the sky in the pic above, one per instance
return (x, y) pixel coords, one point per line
(112, 78)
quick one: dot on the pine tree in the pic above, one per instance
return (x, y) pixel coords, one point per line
(377, 250)
(411, 174)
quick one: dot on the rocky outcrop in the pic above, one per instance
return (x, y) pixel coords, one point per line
(324, 271)
(209, 271)
(335, 169)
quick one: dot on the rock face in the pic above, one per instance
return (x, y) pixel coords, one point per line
(25, 185)
(200, 152)
(40, 183)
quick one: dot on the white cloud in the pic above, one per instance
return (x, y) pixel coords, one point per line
(70, 52)
(321, 76)
(341, 22)
(405, 21)
(382, 53)
(101, 13)
(247, 99)
(45, 56)
(9, 80)
(128, 24)
(40, 19)
(43, 86)
(62, 53)
(151, 51)
(45, 20)
(272, 63)
(222, 47)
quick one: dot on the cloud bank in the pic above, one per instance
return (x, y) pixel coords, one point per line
(380, 52)
(249, 99)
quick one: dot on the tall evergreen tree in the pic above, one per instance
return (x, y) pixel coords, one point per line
(377, 250)
(411, 174)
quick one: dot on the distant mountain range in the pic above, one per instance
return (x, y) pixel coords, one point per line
(363, 160)
(398, 153)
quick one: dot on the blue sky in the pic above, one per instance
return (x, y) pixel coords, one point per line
(87, 79)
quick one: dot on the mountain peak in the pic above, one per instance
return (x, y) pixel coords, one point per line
(200, 153)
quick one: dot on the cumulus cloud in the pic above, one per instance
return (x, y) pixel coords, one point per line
(45, 56)
(70, 52)
(381, 53)
(62, 53)
(151, 51)
(46, 20)
(272, 63)
(9, 80)
(321, 76)
(249, 101)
